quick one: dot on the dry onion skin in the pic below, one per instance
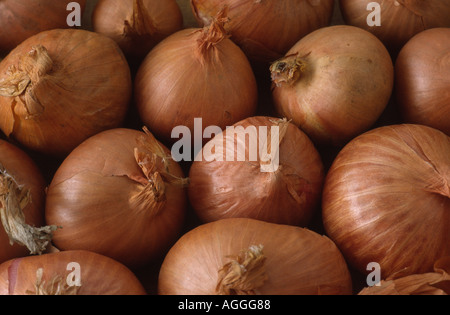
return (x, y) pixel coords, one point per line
(286, 191)
(249, 257)
(21, 19)
(137, 25)
(400, 19)
(267, 29)
(118, 194)
(62, 86)
(422, 73)
(334, 83)
(22, 204)
(386, 199)
(195, 73)
(68, 273)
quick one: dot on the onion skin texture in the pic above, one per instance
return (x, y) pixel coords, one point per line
(137, 25)
(99, 275)
(266, 30)
(422, 72)
(298, 261)
(103, 200)
(21, 19)
(341, 82)
(26, 173)
(386, 199)
(400, 19)
(290, 194)
(79, 85)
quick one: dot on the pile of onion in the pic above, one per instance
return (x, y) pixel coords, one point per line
(118, 194)
(247, 257)
(263, 168)
(195, 73)
(386, 199)
(22, 203)
(68, 273)
(21, 19)
(137, 25)
(422, 73)
(266, 30)
(334, 83)
(399, 20)
(62, 86)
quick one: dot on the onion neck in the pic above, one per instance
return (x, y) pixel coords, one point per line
(214, 33)
(139, 23)
(288, 70)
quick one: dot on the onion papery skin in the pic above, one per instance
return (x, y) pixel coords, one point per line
(400, 19)
(21, 19)
(266, 30)
(288, 193)
(422, 72)
(79, 85)
(99, 275)
(137, 25)
(334, 83)
(297, 261)
(386, 199)
(103, 200)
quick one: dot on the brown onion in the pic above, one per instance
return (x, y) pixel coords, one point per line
(137, 25)
(246, 256)
(68, 273)
(22, 203)
(386, 199)
(422, 73)
(334, 83)
(60, 87)
(399, 21)
(266, 30)
(118, 194)
(21, 19)
(195, 73)
(283, 187)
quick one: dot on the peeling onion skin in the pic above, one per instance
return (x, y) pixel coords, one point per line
(422, 72)
(232, 189)
(343, 82)
(99, 275)
(298, 261)
(386, 199)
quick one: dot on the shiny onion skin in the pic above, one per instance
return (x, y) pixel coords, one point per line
(288, 193)
(118, 194)
(400, 19)
(21, 19)
(267, 29)
(137, 25)
(58, 273)
(386, 199)
(422, 72)
(334, 83)
(245, 257)
(195, 73)
(62, 86)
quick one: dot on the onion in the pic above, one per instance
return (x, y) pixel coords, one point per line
(195, 73)
(21, 19)
(22, 202)
(399, 20)
(281, 185)
(246, 256)
(68, 273)
(334, 83)
(62, 86)
(266, 30)
(137, 25)
(118, 194)
(386, 199)
(422, 72)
